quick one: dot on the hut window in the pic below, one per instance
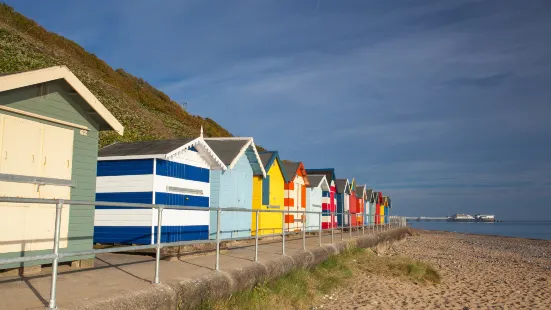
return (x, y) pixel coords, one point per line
(184, 190)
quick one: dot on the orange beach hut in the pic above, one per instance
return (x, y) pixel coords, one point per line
(295, 195)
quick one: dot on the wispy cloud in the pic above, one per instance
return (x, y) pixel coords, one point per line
(437, 103)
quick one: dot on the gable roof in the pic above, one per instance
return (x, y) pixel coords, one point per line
(268, 158)
(329, 173)
(322, 183)
(352, 185)
(379, 197)
(28, 78)
(318, 180)
(230, 149)
(375, 197)
(155, 147)
(163, 149)
(291, 169)
(360, 192)
(342, 186)
(369, 194)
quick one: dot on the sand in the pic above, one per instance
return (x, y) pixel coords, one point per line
(478, 272)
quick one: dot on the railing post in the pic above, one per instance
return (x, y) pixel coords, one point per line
(283, 232)
(363, 224)
(333, 221)
(217, 264)
(320, 217)
(357, 225)
(342, 226)
(304, 231)
(158, 254)
(55, 261)
(350, 224)
(256, 239)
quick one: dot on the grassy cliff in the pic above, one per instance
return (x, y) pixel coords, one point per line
(146, 112)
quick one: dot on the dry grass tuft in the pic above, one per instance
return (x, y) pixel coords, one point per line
(300, 288)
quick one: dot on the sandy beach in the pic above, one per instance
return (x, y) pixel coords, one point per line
(477, 272)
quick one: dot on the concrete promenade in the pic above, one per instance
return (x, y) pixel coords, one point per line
(118, 275)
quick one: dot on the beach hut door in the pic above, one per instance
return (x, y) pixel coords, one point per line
(35, 150)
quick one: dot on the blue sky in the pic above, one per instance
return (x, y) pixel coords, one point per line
(444, 105)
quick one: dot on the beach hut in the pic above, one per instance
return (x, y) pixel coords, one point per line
(49, 131)
(343, 201)
(361, 198)
(383, 209)
(369, 209)
(295, 195)
(268, 194)
(376, 210)
(315, 200)
(169, 172)
(353, 205)
(386, 208)
(379, 209)
(329, 204)
(233, 187)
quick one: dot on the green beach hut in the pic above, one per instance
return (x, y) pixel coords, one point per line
(49, 131)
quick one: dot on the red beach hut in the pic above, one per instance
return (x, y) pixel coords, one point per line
(361, 196)
(353, 204)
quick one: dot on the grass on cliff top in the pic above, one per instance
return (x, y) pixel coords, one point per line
(301, 288)
(146, 112)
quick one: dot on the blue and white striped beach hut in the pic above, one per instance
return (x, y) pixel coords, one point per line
(169, 172)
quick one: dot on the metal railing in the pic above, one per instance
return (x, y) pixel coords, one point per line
(375, 224)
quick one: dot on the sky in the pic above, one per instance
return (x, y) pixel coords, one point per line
(443, 105)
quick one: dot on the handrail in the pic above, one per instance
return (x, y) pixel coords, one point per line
(340, 221)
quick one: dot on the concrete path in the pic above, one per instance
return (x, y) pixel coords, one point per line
(116, 274)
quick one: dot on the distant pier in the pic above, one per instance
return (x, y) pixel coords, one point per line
(426, 218)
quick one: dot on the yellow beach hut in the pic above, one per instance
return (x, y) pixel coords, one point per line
(268, 195)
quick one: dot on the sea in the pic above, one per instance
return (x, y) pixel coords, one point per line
(521, 229)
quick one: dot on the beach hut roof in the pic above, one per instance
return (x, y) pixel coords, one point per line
(163, 149)
(342, 186)
(268, 158)
(230, 149)
(329, 173)
(95, 109)
(361, 192)
(318, 180)
(379, 197)
(376, 196)
(369, 194)
(291, 169)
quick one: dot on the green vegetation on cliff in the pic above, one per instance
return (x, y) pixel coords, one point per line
(145, 112)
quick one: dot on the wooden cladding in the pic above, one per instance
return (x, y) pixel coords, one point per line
(289, 218)
(289, 202)
(290, 186)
